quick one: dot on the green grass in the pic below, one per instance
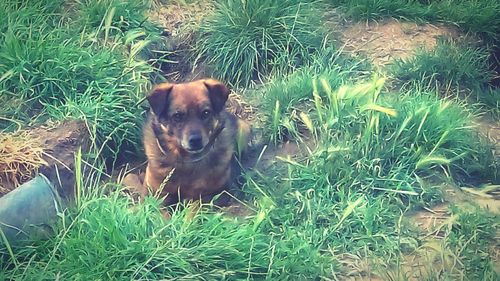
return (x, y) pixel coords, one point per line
(243, 41)
(104, 237)
(281, 99)
(122, 14)
(371, 156)
(388, 143)
(52, 68)
(450, 67)
(449, 64)
(367, 155)
(471, 235)
(479, 17)
(424, 133)
(107, 241)
(376, 9)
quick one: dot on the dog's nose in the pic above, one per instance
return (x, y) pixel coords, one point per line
(195, 141)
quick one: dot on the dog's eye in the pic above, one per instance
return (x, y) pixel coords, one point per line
(178, 116)
(205, 114)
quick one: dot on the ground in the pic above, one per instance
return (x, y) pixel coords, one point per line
(380, 42)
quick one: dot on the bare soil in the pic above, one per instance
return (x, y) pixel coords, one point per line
(179, 20)
(391, 39)
(58, 144)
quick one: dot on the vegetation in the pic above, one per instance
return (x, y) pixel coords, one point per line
(54, 69)
(449, 67)
(366, 154)
(479, 17)
(244, 41)
(449, 64)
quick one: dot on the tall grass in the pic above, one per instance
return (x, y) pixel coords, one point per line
(121, 14)
(346, 194)
(388, 143)
(53, 69)
(376, 9)
(449, 67)
(244, 41)
(282, 99)
(374, 156)
(448, 64)
(105, 237)
(471, 234)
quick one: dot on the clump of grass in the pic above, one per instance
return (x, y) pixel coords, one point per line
(121, 14)
(282, 99)
(103, 238)
(369, 158)
(54, 69)
(471, 235)
(385, 144)
(20, 157)
(479, 17)
(448, 64)
(246, 40)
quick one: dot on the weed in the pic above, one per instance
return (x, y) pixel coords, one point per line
(448, 64)
(282, 99)
(470, 237)
(51, 69)
(121, 14)
(246, 40)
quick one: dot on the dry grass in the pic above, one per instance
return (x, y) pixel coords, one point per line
(20, 157)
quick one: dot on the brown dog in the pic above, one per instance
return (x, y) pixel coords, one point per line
(190, 140)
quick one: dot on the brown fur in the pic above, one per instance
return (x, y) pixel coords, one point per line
(173, 169)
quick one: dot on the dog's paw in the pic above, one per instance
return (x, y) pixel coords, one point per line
(134, 185)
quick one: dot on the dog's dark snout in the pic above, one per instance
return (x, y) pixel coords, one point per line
(195, 141)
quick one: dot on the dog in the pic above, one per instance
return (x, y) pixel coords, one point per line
(190, 141)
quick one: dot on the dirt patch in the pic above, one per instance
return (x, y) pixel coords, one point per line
(491, 129)
(179, 21)
(391, 39)
(177, 18)
(20, 158)
(49, 149)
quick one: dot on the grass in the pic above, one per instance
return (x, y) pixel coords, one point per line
(281, 99)
(103, 238)
(55, 68)
(478, 17)
(449, 64)
(243, 41)
(471, 235)
(21, 157)
(450, 67)
(347, 194)
(384, 143)
(367, 156)
(376, 9)
(122, 15)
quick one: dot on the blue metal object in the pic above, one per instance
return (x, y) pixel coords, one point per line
(29, 210)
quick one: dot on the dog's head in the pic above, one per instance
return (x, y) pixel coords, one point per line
(188, 113)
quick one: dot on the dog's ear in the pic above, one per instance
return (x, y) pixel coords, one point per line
(158, 98)
(217, 92)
